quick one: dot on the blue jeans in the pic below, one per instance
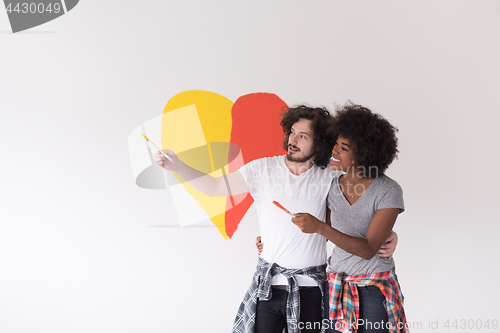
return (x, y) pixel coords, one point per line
(372, 315)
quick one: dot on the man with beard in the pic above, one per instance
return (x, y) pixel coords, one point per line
(287, 288)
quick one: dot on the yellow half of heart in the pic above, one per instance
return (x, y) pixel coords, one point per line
(194, 124)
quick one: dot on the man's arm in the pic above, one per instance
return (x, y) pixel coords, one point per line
(230, 184)
(387, 249)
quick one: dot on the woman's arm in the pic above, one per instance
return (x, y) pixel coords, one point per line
(379, 229)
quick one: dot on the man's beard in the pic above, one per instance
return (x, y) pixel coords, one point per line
(299, 159)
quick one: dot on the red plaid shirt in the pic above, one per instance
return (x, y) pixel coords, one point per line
(344, 299)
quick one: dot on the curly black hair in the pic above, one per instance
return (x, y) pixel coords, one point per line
(373, 138)
(322, 122)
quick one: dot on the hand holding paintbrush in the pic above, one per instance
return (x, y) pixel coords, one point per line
(159, 149)
(161, 155)
(169, 163)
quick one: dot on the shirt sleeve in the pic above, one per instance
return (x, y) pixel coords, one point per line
(251, 173)
(334, 189)
(393, 197)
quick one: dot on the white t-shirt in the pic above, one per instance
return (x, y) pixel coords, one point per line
(269, 179)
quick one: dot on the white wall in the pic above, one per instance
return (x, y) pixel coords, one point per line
(78, 252)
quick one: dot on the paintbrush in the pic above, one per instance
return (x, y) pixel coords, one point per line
(283, 208)
(146, 138)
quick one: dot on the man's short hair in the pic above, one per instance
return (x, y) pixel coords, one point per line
(321, 125)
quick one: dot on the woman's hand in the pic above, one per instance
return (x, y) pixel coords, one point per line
(307, 223)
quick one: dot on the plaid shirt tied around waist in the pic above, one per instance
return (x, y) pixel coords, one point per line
(261, 289)
(344, 299)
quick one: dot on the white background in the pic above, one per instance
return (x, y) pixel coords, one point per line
(78, 248)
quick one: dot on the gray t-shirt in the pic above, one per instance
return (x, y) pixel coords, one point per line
(353, 220)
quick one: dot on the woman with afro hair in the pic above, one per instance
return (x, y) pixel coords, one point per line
(364, 293)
